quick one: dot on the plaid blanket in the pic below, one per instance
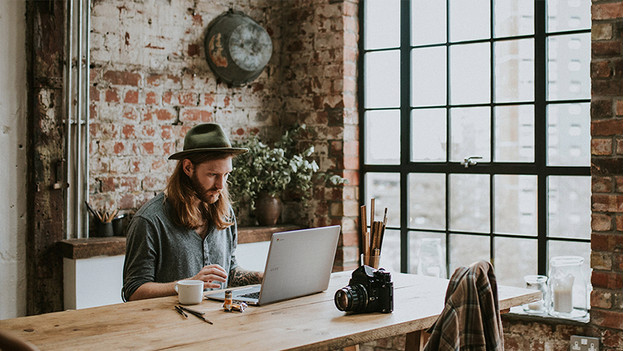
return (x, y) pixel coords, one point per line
(471, 318)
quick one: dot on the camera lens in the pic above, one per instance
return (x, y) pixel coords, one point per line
(351, 298)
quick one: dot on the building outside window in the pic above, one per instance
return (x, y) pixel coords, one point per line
(475, 130)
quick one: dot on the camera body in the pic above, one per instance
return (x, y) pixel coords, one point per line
(369, 290)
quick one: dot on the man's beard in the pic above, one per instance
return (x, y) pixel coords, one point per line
(209, 196)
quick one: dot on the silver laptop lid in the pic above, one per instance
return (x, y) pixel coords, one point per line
(299, 263)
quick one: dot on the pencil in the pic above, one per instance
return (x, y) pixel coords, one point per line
(179, 310)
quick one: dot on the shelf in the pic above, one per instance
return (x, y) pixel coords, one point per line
(116, 245)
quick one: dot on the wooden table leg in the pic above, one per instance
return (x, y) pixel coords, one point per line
(415, 341)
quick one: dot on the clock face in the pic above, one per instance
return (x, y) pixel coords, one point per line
(250, 47)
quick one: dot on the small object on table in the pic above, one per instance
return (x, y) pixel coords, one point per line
(227, 302)
(180, 312)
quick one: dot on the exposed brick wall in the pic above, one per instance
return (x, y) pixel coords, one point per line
(606, 147)
(150, 84)
(319, 59)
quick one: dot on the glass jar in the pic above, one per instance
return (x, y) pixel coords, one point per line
(568, 287)
(537, 282)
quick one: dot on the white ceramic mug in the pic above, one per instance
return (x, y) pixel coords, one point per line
(190, 292)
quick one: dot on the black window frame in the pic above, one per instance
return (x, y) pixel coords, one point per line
(537, 168)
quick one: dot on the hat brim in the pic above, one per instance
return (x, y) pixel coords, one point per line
(228, 150)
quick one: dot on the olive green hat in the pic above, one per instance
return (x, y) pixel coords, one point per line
(207, 137)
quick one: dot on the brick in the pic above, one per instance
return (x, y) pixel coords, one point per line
(151, 98)
(607, 280)
(612, 338)
(111, 95)
(601, 31)
(610, 127)
(193, 50)
(601, 108)
(609, 87)
(602, 184)
(606, 242)
(122, 78)
(607, 203)
(601, 222)
(195, 115)
(606, 166)
(94, 93)
(601, 146)
(132, 97)
(601, 69)
(606, 11)
(601, 260)
(601, 298)
(350, 238)
(604, 318)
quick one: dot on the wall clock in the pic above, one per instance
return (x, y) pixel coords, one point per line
(237, 48)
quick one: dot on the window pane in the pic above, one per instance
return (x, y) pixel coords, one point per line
(568, 67)
(470, 73)
(470, 133)
(569, 142)
(384, 187)
(513, 17)
(569, 206)
(514, 258)
(390, 259)
(568, 15)
(428, 135)
(467, 249)
(515, 204)
(381, 79)
(383, 20)
(428, 254)
(383, 130)
(427, 196)
(469, 19)
(514, 134)
(428, 22)
(470, 202)
(429, 76)
(513, 76)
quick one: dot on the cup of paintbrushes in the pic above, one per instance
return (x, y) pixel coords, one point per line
(103, 221)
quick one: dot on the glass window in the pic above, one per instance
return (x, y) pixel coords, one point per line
(479, 79)
(381, 79)
(382, 19)
(428, 135)
(383, 135)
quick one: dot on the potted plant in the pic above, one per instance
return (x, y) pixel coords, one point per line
(262, 176)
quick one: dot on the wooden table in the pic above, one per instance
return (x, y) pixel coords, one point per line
(307, 323)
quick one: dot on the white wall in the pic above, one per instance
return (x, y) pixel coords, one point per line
(13, 174)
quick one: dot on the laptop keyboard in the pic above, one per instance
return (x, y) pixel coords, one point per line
(251, 295)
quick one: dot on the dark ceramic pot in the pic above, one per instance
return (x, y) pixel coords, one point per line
(268, 209)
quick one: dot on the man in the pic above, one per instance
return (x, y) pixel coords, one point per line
(189, 231)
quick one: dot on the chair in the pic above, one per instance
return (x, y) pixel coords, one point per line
(11, 342)
(471, 316)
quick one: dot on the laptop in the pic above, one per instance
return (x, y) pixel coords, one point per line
(299, 263)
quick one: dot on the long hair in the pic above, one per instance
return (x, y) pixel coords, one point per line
(182, 195)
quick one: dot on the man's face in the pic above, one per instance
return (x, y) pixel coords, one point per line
(209, 178)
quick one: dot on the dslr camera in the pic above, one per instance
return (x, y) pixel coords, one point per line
(369, 290)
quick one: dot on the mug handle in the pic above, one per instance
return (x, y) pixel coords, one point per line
(175, 287)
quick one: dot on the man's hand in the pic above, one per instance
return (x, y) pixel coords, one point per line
(212, 276)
